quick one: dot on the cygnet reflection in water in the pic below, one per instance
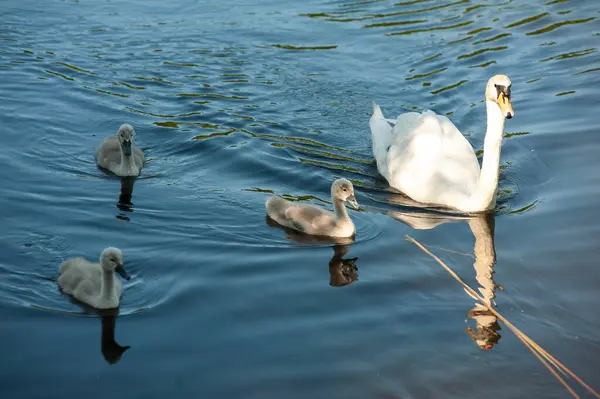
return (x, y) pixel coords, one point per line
(310, 219)
(111, 350)
(341, 271)
(125, 195)
(482, 226)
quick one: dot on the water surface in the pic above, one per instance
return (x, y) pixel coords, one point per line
(235, 101)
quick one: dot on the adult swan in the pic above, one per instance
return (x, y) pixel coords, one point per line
(427, 158)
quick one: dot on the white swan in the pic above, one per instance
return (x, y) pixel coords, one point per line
(118, 154)
(94, 283)
(427, 158)
(313, 220)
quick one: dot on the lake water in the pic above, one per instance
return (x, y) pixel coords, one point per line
(233, 101)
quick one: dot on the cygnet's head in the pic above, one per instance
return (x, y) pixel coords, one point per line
(344, 190)
(112, 260)
(498, 91)
(126, 135)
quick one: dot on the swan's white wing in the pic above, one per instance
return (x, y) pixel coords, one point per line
(76, 270)
(109, 153)
(406, 123)
(416, 146)
(431, 161)
(310, 219)
(461, 165)
(301, 217)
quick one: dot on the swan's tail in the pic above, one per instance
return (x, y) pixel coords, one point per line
(381, 136)
(377, 111)
(276, 207)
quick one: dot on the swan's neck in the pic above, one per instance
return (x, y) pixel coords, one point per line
(128, 166)
(484, 197)
(108, 291)
(341, 215)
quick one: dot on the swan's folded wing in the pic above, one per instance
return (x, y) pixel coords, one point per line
(72, 272)
(460, 158)
(405, 131)
(306, 218)
(109, 152)
(413, 147)
(70, 264)
(458, 142)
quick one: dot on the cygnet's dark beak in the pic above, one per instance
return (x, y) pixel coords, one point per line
(352, 201)
(127, 147)
(121, 270)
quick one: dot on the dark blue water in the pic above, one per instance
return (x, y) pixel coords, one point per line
(233, 101)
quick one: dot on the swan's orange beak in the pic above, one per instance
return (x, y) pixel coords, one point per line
(505, 105)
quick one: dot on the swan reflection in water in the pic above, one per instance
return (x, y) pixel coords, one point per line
(485, 334)
(342, 271)
(125, 204)
(111, 350)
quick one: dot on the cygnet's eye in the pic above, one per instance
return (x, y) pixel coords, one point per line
(344, 189)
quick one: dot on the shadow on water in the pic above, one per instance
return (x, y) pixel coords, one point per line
(485, 334)
(342, 271)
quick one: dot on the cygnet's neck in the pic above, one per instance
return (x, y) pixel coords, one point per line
(108, 290)
(128, 166)
(341, 214)
(484, 197)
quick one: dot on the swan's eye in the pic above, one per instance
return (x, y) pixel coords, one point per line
(344, 189)
(503, 89)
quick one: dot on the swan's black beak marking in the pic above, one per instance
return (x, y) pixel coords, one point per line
(121, 270)
(503, 99)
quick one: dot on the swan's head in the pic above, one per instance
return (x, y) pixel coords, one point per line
(112, 261)
(498, 91)
(126, 135)
(344, 190)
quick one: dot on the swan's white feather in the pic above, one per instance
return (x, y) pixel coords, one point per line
(425, 156)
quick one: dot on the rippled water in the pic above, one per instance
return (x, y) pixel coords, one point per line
(235, 101)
